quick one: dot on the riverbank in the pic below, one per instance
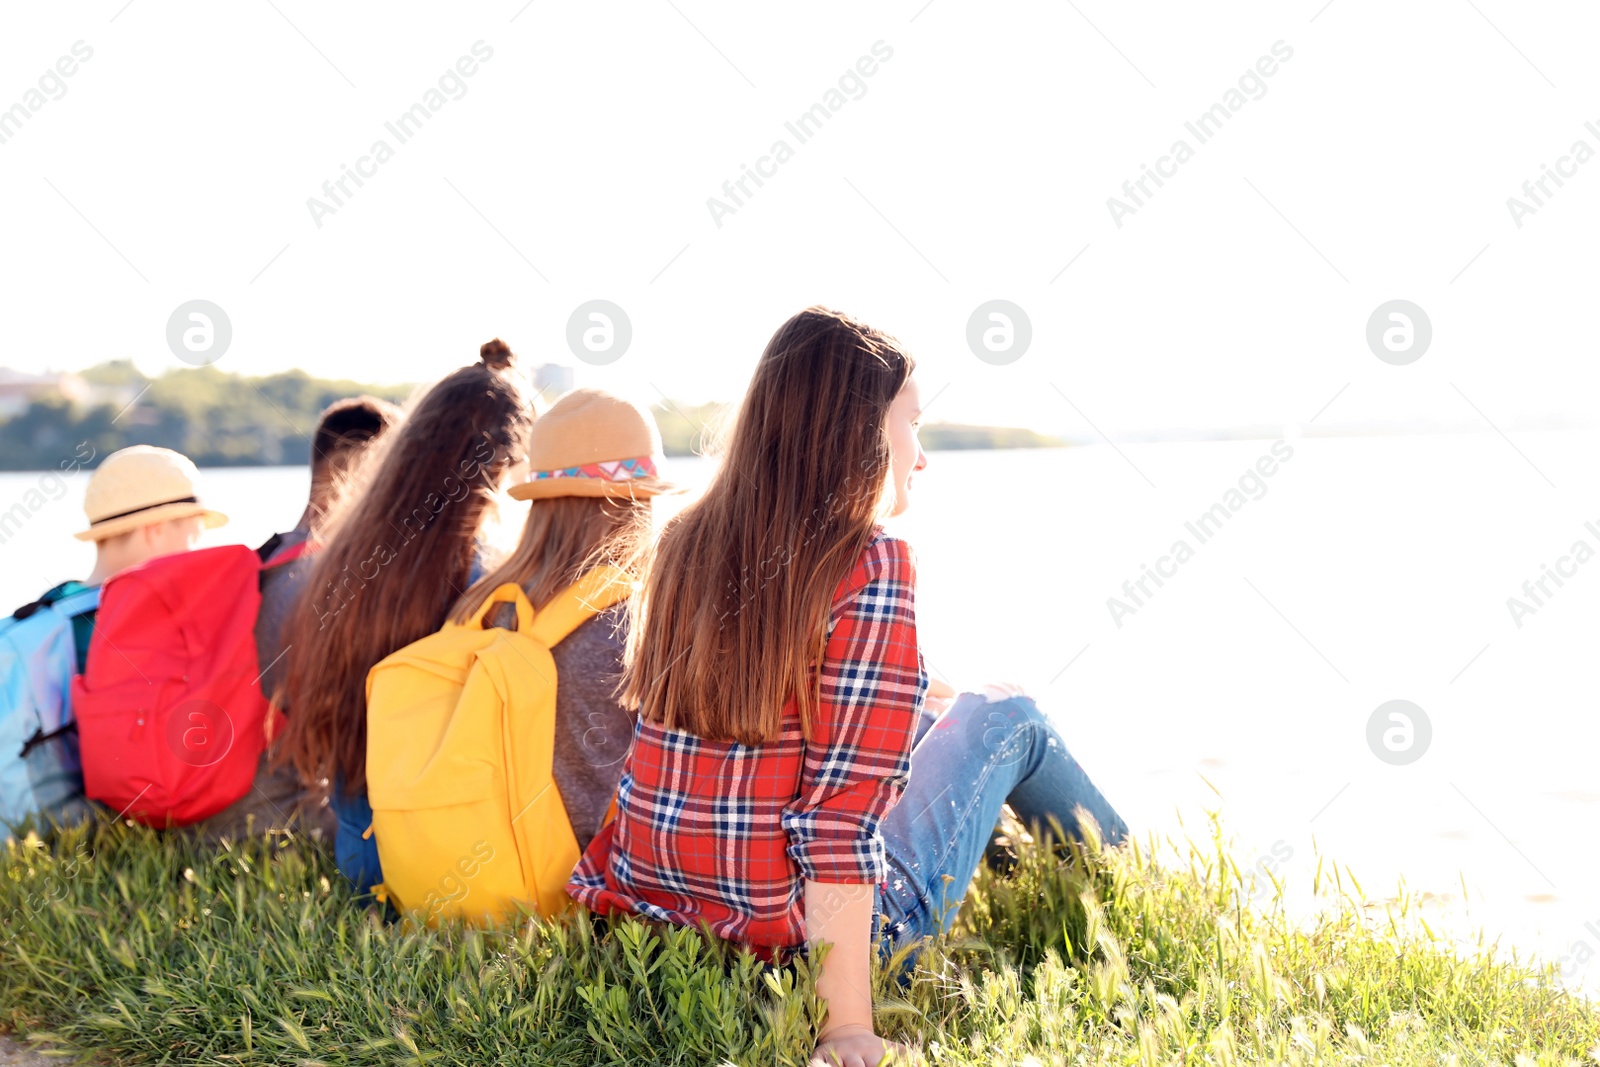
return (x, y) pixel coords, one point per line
(220, 419)
(1246, 683)
(151, 948)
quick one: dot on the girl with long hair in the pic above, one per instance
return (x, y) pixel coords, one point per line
(397, 553)
(593, 463)
(785, 787)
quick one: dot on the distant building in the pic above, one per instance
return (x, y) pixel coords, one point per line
(552, 379)
(18, 390)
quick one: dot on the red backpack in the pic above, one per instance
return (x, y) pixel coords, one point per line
(171, 718)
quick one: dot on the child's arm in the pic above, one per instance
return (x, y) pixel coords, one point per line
(856, 764)
(840, 915)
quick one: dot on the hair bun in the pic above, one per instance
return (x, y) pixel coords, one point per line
(496, 354)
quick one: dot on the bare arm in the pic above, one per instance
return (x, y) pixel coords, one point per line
(856, 764)
(840, 915)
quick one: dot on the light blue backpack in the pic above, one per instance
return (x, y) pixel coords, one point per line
(39, 770)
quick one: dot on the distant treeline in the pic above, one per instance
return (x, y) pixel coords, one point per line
(232, 420)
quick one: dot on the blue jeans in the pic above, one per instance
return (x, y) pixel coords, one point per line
(357, 856)
(967, 764)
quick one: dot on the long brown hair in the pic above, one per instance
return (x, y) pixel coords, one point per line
(396, 554)
(734, 610)
(562, 538)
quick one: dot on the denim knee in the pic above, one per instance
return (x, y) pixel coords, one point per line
(1020, 707)
(1019, 720)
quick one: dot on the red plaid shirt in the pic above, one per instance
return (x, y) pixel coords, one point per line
(726, 834)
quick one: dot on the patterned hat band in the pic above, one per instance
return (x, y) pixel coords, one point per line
(612, 470)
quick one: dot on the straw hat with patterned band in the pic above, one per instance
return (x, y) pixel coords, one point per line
(141, 485)
(591, 443)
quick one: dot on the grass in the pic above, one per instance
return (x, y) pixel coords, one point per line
(149, 948)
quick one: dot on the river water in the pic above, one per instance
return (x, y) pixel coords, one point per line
(1332, 576)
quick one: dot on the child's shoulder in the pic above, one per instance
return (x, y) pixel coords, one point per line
(885, 558)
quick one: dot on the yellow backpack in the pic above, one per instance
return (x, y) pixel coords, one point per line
(460, 747)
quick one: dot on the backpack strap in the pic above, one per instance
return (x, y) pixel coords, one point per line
(82, 618)
(579, 602)
(509, 593)
(271, 546)
(268, 547)
(289, 555)
(59, 593)
(80, 602)
(40, 737)
(77, 603)
(27, 610)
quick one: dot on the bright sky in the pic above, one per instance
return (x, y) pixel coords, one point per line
(974, 163)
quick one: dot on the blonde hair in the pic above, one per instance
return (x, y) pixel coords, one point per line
(563, 538)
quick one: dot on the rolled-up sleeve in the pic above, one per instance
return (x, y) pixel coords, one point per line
(871, 689)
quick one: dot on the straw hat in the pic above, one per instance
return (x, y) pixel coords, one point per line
(138, 486)
(591, 443)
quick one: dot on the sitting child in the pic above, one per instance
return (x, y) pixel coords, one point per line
(141, 503)
(776, 790)
(343, 439)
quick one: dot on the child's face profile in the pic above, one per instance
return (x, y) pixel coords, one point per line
(905, 418)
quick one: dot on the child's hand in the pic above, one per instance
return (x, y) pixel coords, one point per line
(858, 1046)
(1003, 690)
(940, 697)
